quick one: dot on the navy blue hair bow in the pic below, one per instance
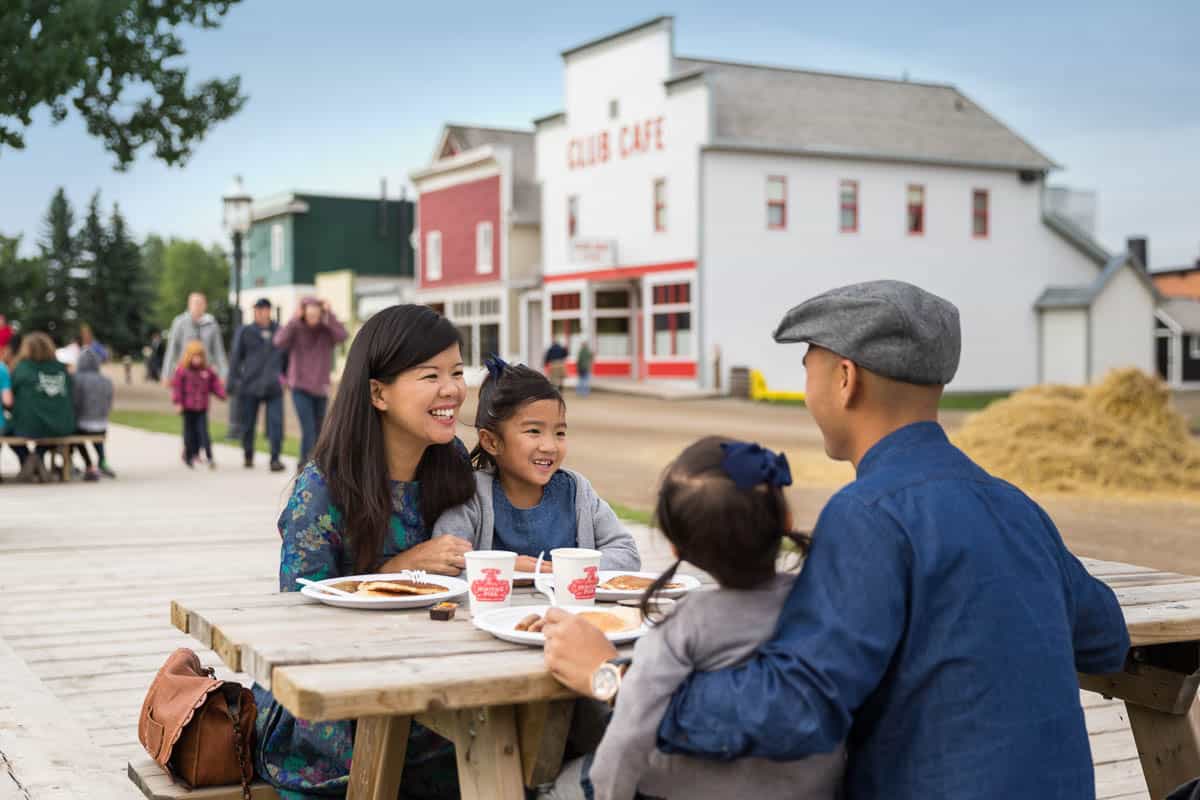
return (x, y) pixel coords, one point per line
(495, 366)
(750, 464)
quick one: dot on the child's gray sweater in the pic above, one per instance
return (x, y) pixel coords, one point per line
(708, 630)
(597, 526)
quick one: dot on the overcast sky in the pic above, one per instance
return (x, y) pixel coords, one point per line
(344, 93)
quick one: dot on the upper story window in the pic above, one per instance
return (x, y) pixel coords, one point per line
(979, 213)
(776, 202)
(565, 302)
(433, 256)
(660, 204)
(277, 246)
(848, 219)
(572, 216)
(916, 209)
(483, 248)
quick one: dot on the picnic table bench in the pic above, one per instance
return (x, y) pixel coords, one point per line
(508, 716)
(33, 468)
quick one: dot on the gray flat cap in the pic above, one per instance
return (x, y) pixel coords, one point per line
(892, 328)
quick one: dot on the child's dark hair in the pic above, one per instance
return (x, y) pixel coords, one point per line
(505, 390)
(732, 534)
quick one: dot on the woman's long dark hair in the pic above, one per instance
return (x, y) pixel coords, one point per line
(350, 451)
(501, 396)
(732, 534)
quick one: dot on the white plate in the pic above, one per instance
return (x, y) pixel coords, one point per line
(454, 588)
(501, 623)
(687, 584)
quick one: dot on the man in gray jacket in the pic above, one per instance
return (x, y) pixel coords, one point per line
(254, 376)
(195, 323)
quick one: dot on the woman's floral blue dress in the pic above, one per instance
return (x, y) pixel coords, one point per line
(309, 760)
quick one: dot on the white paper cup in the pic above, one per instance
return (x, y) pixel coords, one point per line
(576, 576)
(489, 576)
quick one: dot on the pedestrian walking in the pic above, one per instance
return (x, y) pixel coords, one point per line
(192, 384)
(583, 366)
(555, 364)
(255, 379)
(195, 324)
(154, 352)
(309, 337)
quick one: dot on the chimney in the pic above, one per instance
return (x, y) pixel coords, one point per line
(1139, 248)
(383, 215)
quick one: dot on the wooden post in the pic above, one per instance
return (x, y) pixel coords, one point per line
(542, 729)
(380, 744)
(1168, 745)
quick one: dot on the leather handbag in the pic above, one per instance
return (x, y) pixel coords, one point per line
(198, 728)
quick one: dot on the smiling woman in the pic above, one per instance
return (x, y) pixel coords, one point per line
(386, 466)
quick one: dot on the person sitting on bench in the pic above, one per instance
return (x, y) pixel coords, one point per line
(42, 400)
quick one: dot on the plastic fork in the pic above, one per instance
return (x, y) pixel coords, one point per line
(415, 575)
(537, 584)
(323, 587)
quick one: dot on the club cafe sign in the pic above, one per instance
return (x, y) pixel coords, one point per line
(630, 140)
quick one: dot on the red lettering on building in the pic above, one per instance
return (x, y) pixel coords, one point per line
(640, 137)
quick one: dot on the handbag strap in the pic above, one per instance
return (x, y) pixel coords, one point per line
(233, 705)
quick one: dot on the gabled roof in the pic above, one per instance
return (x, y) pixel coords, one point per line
(1183, 312)
(1066, 297)
(457, 139)
(770, 108)
(1077, 237)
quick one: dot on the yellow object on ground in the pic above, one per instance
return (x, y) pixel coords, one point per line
(759, 390)
(1121, 435)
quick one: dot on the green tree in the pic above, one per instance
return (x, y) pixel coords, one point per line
(187, 268)
(153, 253)
(127, 289)
(22, 284)
(56, 312)
(92, 305)
(114, 61)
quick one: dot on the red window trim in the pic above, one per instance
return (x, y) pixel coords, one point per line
(843, 205)
(920, 231)
(660, 206)
(782, 204)
(984, 215)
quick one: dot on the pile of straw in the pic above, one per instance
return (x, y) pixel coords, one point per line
(1118, 435)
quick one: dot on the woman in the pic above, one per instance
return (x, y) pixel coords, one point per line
(309, 339)
(385, 467)
(41, 394)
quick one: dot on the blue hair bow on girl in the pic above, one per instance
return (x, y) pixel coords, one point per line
(495, 366)
(750, 464)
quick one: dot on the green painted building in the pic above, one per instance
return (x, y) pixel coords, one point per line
(296, 236)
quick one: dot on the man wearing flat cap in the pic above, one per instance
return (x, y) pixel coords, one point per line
(939, 622)
(254, 376)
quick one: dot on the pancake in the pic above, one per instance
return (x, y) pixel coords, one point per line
(609, 623)
(398, 588)
(632, 583)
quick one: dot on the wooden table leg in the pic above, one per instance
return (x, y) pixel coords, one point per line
(1168, 745)
(65, 452)
(380, 744)
(485, 743)
(542, 729)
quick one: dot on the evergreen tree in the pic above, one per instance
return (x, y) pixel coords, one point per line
(126, 287)
(56, 313)
(22, 284)
(94, 290)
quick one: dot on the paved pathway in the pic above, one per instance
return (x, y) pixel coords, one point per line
(88, 570)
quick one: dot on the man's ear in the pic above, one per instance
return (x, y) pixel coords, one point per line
(490, 442)
(377, 399)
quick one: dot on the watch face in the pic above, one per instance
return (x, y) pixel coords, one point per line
(605, 682)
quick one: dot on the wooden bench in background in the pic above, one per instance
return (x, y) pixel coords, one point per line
(33, 468)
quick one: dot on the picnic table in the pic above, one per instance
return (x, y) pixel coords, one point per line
(508, 717)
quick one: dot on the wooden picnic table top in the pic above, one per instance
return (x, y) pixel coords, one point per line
(325, 663)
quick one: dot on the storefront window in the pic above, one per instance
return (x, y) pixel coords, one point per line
(612, 337)
(673, 334)
(489, 340)
(564, 302)
(612, 298)
(465, 334)
(569, 332)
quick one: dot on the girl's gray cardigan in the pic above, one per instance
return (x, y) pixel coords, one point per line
(597, 526)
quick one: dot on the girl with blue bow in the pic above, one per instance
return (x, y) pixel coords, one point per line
(721, 506)
(524, 500)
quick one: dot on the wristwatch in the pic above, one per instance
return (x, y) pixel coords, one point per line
(606, 680)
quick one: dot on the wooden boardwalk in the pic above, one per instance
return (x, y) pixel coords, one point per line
(87, 572)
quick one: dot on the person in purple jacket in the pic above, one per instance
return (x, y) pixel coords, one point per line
(309, 337)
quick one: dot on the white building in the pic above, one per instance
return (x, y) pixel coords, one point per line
(688, 203)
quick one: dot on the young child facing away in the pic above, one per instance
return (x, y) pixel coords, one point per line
(524, 501)
(721, 506)
(194, 381)
(93, 402)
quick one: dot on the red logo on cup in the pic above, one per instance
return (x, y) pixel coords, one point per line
(490, 589)
(585, 588)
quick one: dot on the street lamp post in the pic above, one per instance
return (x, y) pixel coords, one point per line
(237, 206)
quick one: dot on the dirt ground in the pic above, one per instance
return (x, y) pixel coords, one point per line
(621, 443)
